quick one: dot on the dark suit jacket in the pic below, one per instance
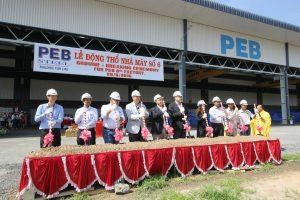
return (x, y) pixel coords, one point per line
(157, 120)
(176, 116)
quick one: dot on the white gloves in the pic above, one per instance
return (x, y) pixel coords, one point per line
(52, 123)
(48, 110)
(164, 109)
(141, 115)
(181, 109)
(166, 114)
(142, 110)
(222, 115)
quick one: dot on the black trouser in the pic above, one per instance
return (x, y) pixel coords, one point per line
(57, 137)
(179, 133)
(91, 140)
(246, 133)
(136, 137)
(201, 132)
(218, 129)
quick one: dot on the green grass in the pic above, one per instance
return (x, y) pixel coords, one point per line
(153, 183)
(173, 195)
(80, 196)
(266, 168)
(291, 157)
(228, 189)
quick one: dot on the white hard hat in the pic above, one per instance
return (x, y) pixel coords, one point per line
(157, 97)
(177, 93)
(243, 102)
(135, 93)
(86, 96)
(201, 102)
(230, 100)
(216, 99)
(115, 95)
(51, 92)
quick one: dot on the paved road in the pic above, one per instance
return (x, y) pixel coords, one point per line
(15, 147)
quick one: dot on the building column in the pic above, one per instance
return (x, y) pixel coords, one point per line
(259, 96)
(284, 88)
(182, 65)
(204, 91)
(298, 94)
(22, 84)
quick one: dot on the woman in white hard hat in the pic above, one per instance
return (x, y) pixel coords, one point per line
(112, 115)
(201, 118)
(232, 117)
(178, 113)
(86, 118)
(216, 117)
(157, 115)
(50, 115)
(136, 113)
(245, 117)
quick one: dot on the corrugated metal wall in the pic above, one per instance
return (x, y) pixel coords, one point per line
(6, 88)
(149, 92)
(94, 18)
(206, 39)
(294, 55)
(72, 91)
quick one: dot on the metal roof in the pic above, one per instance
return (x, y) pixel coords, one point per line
(244, 14)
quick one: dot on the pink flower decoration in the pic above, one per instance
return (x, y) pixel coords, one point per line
(118, 134)
(85, 135)
(209, 131)
(229, 128)
(169, 129)
(243, 128)
(145, 133)
(48, 139)
(186, 127)
(259, 128)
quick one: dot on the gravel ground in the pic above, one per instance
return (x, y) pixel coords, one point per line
(15, 147)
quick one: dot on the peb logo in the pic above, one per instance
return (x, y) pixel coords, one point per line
(54, 53)
(243, 47)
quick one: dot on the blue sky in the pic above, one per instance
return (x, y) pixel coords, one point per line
(283, 10)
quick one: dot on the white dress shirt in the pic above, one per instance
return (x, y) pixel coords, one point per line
(216, 115)
(90, 114)
(110, 121)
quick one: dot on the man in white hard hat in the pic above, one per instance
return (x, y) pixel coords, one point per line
(86, 118)
(136, 113)
(158, 116)
(50, 115)
(112, 115)
(216, 117)
(232, 115)
(245, 117)
(201, 118)
(178, 114)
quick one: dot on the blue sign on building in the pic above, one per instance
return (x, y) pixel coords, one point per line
(243, 48)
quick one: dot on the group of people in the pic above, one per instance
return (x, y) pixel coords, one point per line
(166, 121)
(13, 120)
